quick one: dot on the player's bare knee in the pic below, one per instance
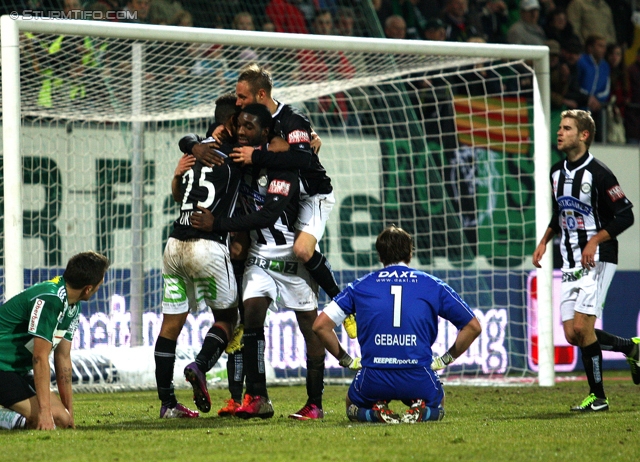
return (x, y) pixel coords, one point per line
(62, 419)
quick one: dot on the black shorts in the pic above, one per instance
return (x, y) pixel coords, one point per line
(15, 388)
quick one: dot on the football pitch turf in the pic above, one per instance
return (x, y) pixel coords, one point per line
(481, 423)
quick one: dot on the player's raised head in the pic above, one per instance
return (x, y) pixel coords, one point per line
(254, 124)
(394, 245)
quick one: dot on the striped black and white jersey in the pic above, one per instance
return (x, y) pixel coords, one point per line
(215, 189)
(270, 198)
(586, 199)
(294, 127)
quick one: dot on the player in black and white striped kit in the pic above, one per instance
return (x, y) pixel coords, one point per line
(589, 211)
(197, 273)
(254, 85)
(273, 274)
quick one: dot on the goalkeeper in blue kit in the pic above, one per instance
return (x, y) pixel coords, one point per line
(397, 309)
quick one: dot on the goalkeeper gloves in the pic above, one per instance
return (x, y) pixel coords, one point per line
(350, 326)
(352, 363)
(440, 362)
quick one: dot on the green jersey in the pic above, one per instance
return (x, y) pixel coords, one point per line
(40, 311)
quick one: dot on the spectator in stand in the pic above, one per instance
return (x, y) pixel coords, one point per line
(268, 27)
(184, 19)
(570, 55)
(592, 17)
(286, 17)
(243, 21)
(593, 75)
(323, 23)
(558, 28)
(622, 12)
(457, 23)
(527, 31)
(481, 81)
(632, 114)
(106, 6)
(619, 78)
(412, 11)
(345, 22)
(435, 30)
(559, 76)
(395, 27)
(141, 9)
(166, 12)
(494, 17)
(321, 65)
(546, 7)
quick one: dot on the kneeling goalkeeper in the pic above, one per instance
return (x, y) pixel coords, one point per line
(398, 309)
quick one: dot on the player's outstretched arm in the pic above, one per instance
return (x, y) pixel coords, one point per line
(42, 380)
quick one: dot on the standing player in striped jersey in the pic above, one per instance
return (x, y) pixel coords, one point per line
(589, 211)
(398, 309)
(273, 273)
(197, 273)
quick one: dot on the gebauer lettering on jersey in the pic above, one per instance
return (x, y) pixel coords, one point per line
(571, 203)
(284, 344)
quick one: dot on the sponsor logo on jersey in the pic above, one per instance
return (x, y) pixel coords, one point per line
(298, 136)
(280, 187)
(572, 222)
(249, 193)
(571, 203)
(378, 360)
(397, 274)
(279, 266)
(615, 193)
(36, 311)
(573, 276)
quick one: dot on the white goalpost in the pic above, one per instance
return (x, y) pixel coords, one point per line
(451, 141)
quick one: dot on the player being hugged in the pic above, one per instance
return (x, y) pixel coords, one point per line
(398, 309)
(197, 273)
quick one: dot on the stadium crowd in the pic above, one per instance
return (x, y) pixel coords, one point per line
(587, 40)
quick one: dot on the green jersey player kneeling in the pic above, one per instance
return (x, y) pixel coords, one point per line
(32, 324)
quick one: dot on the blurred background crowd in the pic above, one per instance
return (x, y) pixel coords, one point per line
(594, 44)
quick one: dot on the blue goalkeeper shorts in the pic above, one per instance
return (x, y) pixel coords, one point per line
(372, 385)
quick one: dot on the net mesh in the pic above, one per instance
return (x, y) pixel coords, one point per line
(439, 145)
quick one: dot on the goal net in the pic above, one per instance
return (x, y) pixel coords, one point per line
(435, 137)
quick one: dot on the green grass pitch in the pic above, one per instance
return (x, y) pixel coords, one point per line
(481, 423)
